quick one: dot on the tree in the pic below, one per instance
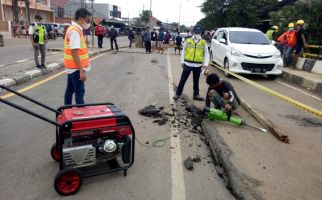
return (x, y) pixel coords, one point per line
(309, 11)
(242, 13)
(145, 16)
(15, 11)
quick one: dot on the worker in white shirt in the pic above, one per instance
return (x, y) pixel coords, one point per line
(194, 56)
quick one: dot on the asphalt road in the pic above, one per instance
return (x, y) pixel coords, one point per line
(131, 79)
(19, 49)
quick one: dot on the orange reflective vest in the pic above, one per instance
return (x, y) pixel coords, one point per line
(82, 51)
(289, 38)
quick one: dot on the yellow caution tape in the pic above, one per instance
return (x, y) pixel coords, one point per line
(272, 92)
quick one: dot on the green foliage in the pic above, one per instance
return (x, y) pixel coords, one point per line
(145, 16)
(242, 13)
(309, 11)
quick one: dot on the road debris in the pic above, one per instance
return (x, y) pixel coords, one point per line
(196, 159)
(188, 163)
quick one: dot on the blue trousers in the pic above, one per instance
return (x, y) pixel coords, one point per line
(185, 75)
(74, 85)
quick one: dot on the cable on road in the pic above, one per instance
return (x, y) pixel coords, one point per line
(159, 142)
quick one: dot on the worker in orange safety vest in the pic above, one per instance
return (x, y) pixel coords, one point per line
(76, 58)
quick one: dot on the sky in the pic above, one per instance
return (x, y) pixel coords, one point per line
(164, 10)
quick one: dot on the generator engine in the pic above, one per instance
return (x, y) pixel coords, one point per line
(93, 140)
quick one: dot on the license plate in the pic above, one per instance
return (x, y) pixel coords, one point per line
(258, 70)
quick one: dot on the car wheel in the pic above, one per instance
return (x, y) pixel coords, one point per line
(226, 67)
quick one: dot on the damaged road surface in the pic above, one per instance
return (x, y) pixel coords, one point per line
(130, 81)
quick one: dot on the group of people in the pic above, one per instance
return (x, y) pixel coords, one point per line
(292, 39)
(194, 57)
(101, 32)
(18, 30)
(155, 40)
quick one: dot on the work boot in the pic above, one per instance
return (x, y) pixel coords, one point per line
(176, 97)
(38, 66)
(43, 66)
(198, 98)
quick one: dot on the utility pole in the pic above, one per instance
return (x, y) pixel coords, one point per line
(150, 7)
(27, 3)
(179, 15)
(92, 25)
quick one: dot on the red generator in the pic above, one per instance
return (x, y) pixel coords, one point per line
(91, 139)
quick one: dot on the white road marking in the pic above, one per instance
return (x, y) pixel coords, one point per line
(2, 66)
(303, 92)
(19, 61)
(177, 177)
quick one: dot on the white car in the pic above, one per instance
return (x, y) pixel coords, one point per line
(245, 51)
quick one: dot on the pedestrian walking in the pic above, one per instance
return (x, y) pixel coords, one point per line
(131, 37)
(194, 56)
(154, 38)
(147, 40)
(76, 58)
(160, 41)
(38, 38)
(113, 35)
(178, 43)
(99, 32)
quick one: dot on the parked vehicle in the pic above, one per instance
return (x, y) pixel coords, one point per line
(245, 51)
(51, 31)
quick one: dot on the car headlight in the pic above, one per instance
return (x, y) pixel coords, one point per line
(236, 52)
(277, 54)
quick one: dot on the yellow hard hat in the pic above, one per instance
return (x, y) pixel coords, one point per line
(290, 25)
(275, 27)
(300, 22)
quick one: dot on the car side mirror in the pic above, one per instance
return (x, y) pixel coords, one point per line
(223, 41)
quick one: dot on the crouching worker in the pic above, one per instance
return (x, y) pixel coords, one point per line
(222, 94)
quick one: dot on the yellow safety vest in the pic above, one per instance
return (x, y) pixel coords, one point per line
(194, 52)
(39, 34)
(82, 51)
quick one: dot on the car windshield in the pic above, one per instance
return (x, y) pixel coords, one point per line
(248, 37)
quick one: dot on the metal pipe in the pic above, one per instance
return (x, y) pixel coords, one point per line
(29, 112)
(29, 99)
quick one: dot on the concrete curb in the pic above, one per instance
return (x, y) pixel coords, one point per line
(51, 67)
(241, 186)
(302, 81)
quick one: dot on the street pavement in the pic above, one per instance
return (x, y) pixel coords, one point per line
(18, 61)
(17, 50)
(257, 165)
(254, 165)
(131, 79)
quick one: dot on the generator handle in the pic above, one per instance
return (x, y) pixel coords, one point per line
(30, 99)
(29, 112)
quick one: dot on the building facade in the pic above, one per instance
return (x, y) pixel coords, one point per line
(67, 8)
(41, 7)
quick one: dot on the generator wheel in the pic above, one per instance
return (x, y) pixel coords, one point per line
(68, 181)
(54, 153)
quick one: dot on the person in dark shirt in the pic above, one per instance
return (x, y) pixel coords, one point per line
(221, 93)
(154, 39)
(178, 43)
(131, 37)
(113, 35)
(301, 40)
